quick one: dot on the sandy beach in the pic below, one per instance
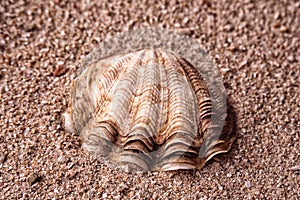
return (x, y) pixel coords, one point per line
(254, 44)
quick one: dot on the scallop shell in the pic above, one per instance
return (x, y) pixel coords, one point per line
(147, 110)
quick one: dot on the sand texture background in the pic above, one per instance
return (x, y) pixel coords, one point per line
(255, 45)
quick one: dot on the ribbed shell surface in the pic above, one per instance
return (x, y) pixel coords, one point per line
(146, 110)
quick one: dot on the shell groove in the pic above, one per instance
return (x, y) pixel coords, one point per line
(148, 110)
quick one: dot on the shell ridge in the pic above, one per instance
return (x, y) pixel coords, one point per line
(164, 98)
(210, 121)
(144, 116)
(121, 98)
(199, 86)
(177, 83)
(181, 111)
(106, 83)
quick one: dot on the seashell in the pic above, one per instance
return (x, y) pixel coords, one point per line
(148, 110)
